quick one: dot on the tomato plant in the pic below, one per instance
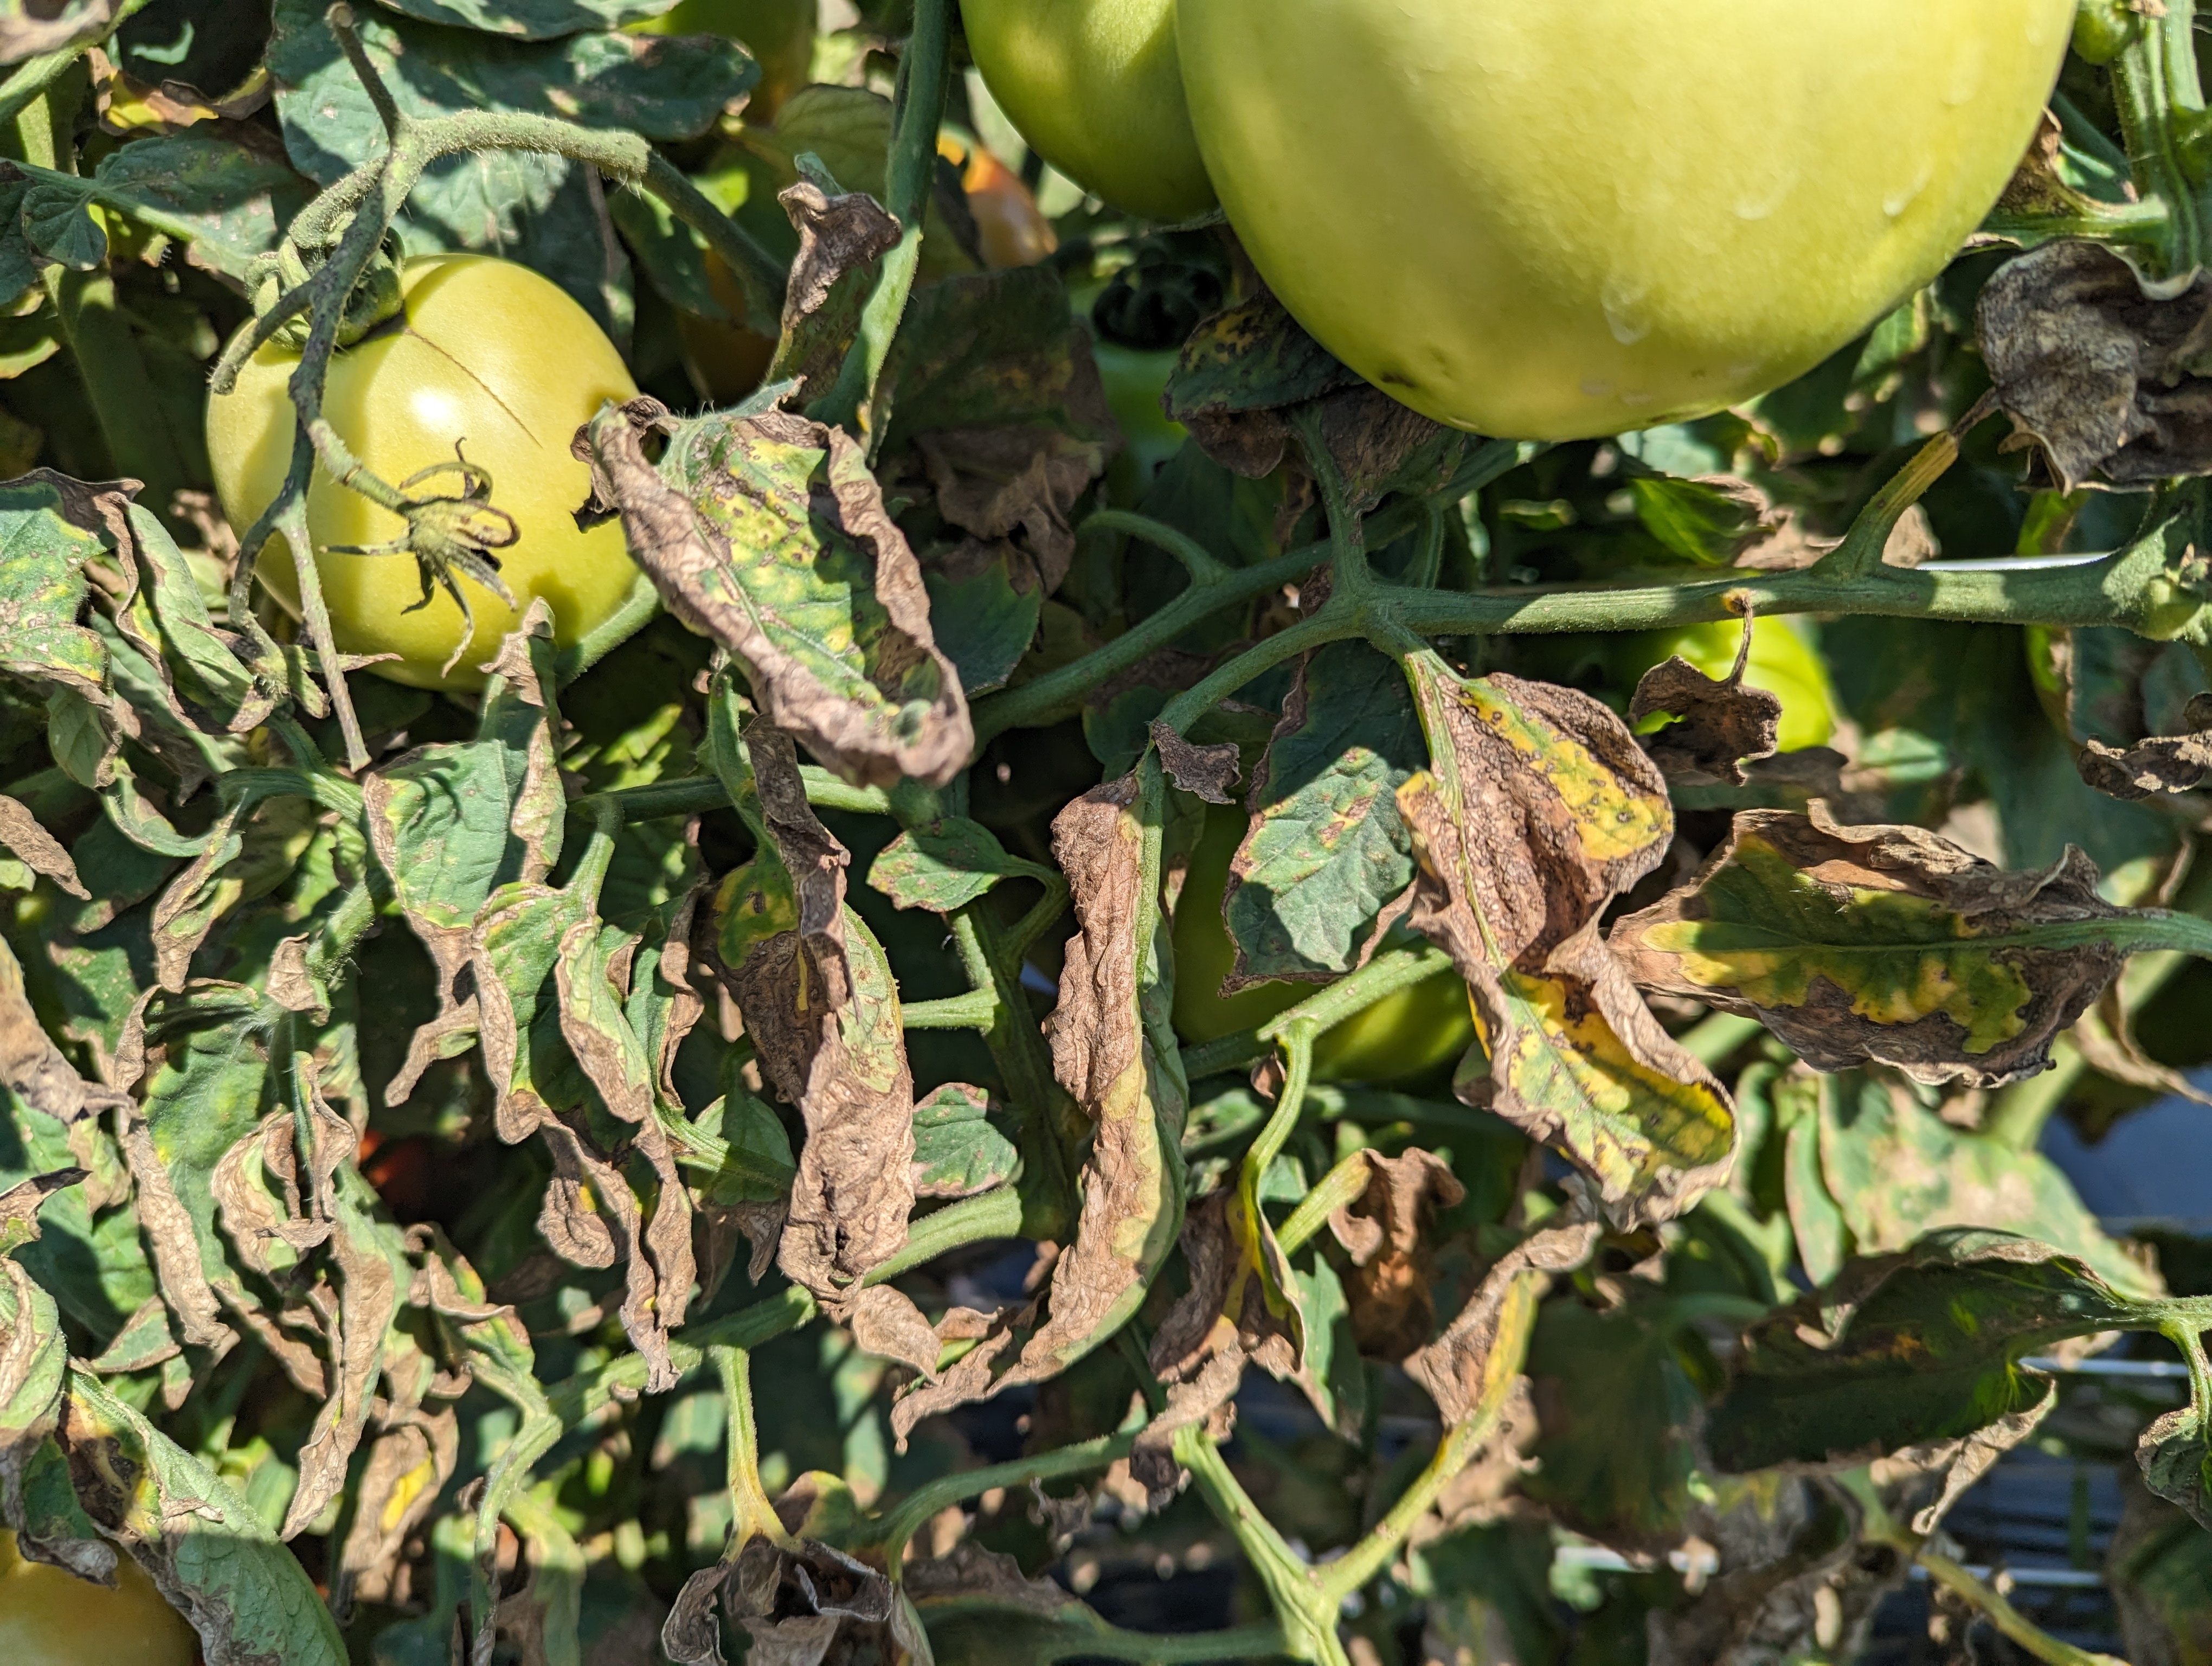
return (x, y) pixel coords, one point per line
(49, 1617)
(680, 1098)
(1612, 219)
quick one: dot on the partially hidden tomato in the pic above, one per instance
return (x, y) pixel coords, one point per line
(490, 358)
(1010, 230)
(1406, 1038)
(779, 34)
(1782, 662)
(1557, 219)
(1093, 86)
(49, 1617)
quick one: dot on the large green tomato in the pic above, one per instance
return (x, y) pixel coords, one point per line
(490, 356)
(1782, 662)
(1404, 1038)
(49, 1617)
(1093, 86)
(1557, 219)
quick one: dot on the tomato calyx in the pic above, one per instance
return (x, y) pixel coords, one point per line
(452, 536)
(373, 301)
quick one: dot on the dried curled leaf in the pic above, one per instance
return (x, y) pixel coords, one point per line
(1539, 809)
(768, 534)
(1724, 724)
(1242, 1308)
(1482, 1349)
(1384, 1229)
(1206, 772)
(1107, 843)
(841, 240)
(1889, 944)
(2159, 767)
(822, 1007)
(2109, 382)
(39, 849)
(31, 1066)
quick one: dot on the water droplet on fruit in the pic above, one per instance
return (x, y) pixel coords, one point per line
(1967, 68)
(1898, 201)
(1620, 298)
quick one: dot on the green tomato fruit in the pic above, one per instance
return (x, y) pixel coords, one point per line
(1405, 1038)
(1782, 662)
(49, 1617)
(1557, 219)
(1093, 86)
(490, 357)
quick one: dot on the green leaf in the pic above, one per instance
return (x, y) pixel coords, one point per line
(672, 255)
(57, 219)
(947, 866)
(196, 1535)
(529, 207)
(1882, 943)
(1616, 1409)
(1537, 810)
(236, 195)
(1923, 1346)
(1326, 850)
(768, 534)
(1896, 1169)
(46, 535)
(1706, 521)
(532, 20)
(957, 1153)
(984, 607)
(167, 618)
(756, 1165)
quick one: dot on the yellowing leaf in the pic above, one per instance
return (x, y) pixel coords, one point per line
(1538, 811)
(1883, 943)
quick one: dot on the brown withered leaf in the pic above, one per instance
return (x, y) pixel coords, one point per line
(768, 534)
(2108, 382)
(796, 1605)
(1889, 944)
(1210, 772)
(1472, 1364)
(885, 1322)
(40, 851)
(1538, 810)
(840, 240)
(1237, 373)
(1385, 1230)
(30, 1064)
(2106, 1035)
(174, 1242)
(409, 1464)
(21, 1202)
(366, 1301)
(1723, 724)
(2162, 766)
(995, 482)
(822, 1009)
(1107, 842)
(1242, 1308)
